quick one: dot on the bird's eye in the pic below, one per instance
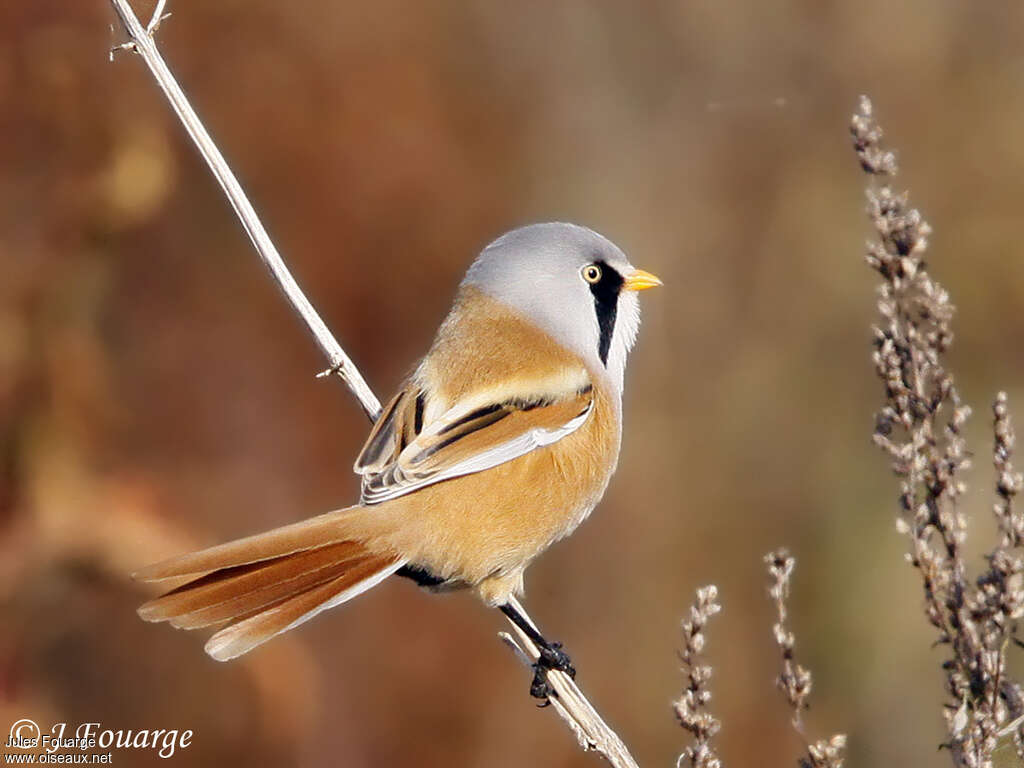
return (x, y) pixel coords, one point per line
(591, 273)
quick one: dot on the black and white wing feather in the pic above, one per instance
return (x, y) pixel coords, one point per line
(406, 451)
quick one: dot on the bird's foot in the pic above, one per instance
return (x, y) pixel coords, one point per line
(551, 657)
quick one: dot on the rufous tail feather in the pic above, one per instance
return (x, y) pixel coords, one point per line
(267, 584)
(317, 531)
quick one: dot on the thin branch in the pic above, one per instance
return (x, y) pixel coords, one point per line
(591, 731)
(142, 42)
(156, 18)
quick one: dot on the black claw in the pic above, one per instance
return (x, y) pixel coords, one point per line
(540, 688)
(551, 657)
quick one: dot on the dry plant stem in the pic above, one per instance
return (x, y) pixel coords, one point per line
(592, 732)
(795, 680)
(1000, 594)
(920, 427)
(691, 707)
(590, 729)
(142, 42)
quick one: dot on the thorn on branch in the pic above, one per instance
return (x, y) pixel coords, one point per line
(116, 49)
(154, 24)
(157, 17)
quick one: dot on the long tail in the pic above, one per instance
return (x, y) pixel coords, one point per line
(268, 583)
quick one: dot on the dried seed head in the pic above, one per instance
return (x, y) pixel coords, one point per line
(795, 680)
(691, 707)
(920, 427)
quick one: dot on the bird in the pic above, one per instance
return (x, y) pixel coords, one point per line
(500, 443)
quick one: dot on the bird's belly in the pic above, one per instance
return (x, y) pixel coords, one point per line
(494, 522)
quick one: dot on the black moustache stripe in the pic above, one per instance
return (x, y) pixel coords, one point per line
(606, 305)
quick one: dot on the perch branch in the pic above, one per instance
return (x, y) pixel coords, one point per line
(592, 732)
(570, 703)
(142, 42)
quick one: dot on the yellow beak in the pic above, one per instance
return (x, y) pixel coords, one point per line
(639, 280)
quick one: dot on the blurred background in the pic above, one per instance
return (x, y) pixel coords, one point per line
(156, 393)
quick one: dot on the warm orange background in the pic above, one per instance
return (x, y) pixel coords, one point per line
(156, 393)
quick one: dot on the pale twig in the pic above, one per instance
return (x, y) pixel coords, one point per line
(591, 731)
(156, 18)
(141, 41)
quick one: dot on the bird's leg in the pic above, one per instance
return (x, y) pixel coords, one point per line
(551, 654)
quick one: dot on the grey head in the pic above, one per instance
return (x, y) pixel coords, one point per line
(576, 285)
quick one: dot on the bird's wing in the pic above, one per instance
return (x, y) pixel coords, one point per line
(407, 451)
(399, 423)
